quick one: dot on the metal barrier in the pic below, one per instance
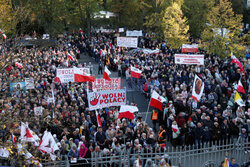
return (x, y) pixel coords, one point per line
(206, 155)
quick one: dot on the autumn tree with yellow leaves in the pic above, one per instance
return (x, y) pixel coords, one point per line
(222, 33)
(175, 27)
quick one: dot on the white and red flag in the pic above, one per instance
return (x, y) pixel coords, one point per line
(48, 145)
(14, 138)
(80, 76)
(157, 100)
(135, 72)
(127, 111)
(98, 119)
(107, 73)
(186, 48)
(198, 87)
(240, 87)
(28, 135)
(71, 57)
(34, 33)
(19, 65)
(236, 61)
(5, 37)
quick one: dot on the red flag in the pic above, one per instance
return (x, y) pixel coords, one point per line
(240, 87)
(98, 119)
(106, 74)
(157, 100)
(235, 60)
(34, 33)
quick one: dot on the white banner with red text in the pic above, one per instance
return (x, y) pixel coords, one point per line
(134, 33)
(102, 84)
(189, 59)
(67, 74)
(106, 98)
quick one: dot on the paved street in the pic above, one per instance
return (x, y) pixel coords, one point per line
(132, 93)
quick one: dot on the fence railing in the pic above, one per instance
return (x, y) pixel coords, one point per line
(200, 155)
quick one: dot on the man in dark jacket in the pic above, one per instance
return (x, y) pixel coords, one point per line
(100, 138)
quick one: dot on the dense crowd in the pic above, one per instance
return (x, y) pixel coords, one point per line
(74, 127)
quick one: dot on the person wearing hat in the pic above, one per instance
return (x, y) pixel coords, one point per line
(71, 144)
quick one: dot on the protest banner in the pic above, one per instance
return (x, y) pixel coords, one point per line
(38, 110)
(106, 98)
(127, 42)
(67, 74)
(134, 33)
(29, 83)
(102, 84)
(121, 29)
(189, 59)
(186, 48)
(17, 87)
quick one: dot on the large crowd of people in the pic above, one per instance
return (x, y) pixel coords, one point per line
(74, 127)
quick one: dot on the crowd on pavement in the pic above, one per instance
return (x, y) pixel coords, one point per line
(74, 127)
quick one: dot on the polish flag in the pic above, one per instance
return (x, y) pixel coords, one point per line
(127, 111)
(98, 119)
(157, 100)
(70, 57)
(28, 135)
(186, 48)
(80, 76)
(107, 73)
(175, 128)
(5, 37)
(34, 33)
(135, 72)
(19, 65)
(235, 60)
(240, 87)
(13, 138)
(48, 143)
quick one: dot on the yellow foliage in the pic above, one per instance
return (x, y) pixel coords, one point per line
(175, 26)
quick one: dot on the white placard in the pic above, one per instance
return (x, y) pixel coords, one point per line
(38, 110)
(67, 74)
(106, 98)
(189, 59)
(121, 29)
(45, 36)
(127, 42)
(134, 33)
(29, 83)
(102, 84)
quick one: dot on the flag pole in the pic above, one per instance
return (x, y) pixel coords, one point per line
(147, 110)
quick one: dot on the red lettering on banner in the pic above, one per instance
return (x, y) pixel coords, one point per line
(111, 95)
(106, 101)
(120, 95)
(105, 96)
